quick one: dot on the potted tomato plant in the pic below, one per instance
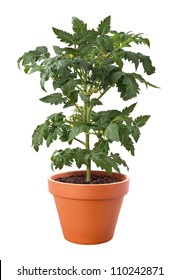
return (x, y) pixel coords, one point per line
(82, 71)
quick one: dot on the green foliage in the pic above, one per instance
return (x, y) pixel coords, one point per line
(86, 65)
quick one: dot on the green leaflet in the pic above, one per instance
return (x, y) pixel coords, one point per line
(101, 160)
(149, 69)
(67, 156)
(111, 132)
(76, 130)
(52, 128)
(54, 98)
(128, 87)
(104, 26)
(141, 120)
(127, 110)
(64, 36)
(38, 136)
(79, 26)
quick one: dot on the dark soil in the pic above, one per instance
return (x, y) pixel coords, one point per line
(81, 179)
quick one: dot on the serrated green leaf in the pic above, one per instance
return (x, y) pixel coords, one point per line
(35, 69)
(54, 98)
(76, 130)
(63, 36)
(106, 42)
(114, 77)
(128, 87)
(117, 59)
(104, 26)
(29, 58)
(101, 146)
(118, 160)
(128, 110)
(100, 159)
(81, 156)
(149, 69)
(142, 80)
(61, 158)
(131, 56)
(94, 102)
(41, 50)
(19, 61)
(42, 82)
(79, 26)
(125, 137)
(58, 50)
(141, 120)
(111, 132)
(37, 137)
(135, 133)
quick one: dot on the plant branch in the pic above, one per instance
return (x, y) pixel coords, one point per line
(80, 141)
(101, 95)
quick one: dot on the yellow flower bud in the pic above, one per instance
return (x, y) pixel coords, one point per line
(101, 131)
(105, 55)
(70, 55)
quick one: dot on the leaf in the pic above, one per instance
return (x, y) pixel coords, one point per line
(118, 160)
(101, 146)
(57, 50)
(142, 80)
(135, 133)
(62, 157)
(41, 50)
(76, 130)
(100, 159)
(81, 156)
(37, 137)
(54, 98)
(114, 77)
(104, 117)
(111, 132)
(149, 69)
(117, 59)
(127, 110)
(29, 58)
(138, 39)
(131, 56)
(94, 102)
(34, 69)
(78, 25)
(128, 87)
(63, 36)
(68, 156)
(104, 26)
(42, 82)
(124, 137)
(106, 42)
(141, 120)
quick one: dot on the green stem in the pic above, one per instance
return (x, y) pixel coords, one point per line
(87, 118)
(80, 141)
(104, 92)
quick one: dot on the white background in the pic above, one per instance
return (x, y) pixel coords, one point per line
(147, 232)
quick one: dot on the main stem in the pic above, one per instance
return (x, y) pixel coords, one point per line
(87, 118)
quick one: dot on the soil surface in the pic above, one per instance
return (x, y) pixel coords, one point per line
(81, 179)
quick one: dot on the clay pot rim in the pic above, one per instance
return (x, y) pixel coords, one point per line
(88, 191)
(125, 178)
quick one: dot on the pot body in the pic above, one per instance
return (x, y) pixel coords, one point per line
(88, 213)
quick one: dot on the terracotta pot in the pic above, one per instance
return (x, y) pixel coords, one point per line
(88, 213)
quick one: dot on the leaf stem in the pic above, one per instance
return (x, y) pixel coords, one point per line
(82, 142)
